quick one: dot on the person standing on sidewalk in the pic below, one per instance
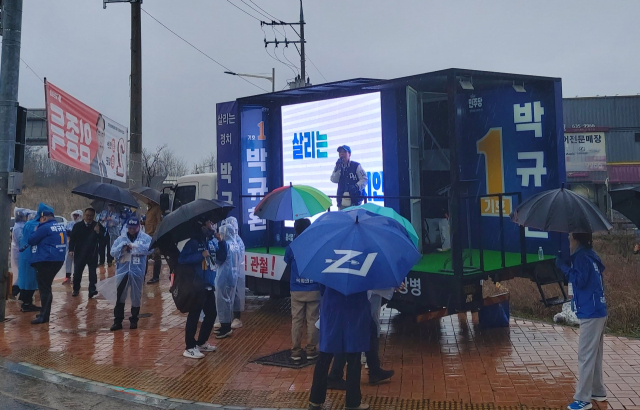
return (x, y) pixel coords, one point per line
(228, 261)
(83, 247)
(345, 327)
(48, 245)
(239, 300)
(19, 220)
(199, 253)
(130, 252)
(585, 275)
(305, 303)
(76, 216)
(27, 281)
(110, 219)
(151, 223)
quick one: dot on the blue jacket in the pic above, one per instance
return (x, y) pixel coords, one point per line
(49, 242)
(585, 275)
(345, 322)
(27, 277)
(191, 254)
(298, 284)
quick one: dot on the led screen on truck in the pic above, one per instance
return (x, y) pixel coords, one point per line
(312, 133)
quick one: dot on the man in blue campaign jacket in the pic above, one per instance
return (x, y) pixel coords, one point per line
(585, 275)
(199, 252)
(350, 177)
(48, 245)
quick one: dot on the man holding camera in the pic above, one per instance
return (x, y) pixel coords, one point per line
(350, 177)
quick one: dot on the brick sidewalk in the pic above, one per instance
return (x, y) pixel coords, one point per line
(450, 362)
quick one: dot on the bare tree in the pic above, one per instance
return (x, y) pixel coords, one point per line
(161, 162)
(206, 164)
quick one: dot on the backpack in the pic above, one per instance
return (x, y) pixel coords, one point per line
(187, 289)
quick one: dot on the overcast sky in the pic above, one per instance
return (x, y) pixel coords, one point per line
(78, 46)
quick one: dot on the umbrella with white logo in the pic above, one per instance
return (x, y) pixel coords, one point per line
(355, 251)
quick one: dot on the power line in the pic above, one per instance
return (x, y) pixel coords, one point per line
(272, 16)
(285, 57)
(317, 69)
(200, 51)
(242, 10)
(34, 73)
(252, 8)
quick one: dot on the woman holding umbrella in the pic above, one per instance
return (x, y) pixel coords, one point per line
(585, 275)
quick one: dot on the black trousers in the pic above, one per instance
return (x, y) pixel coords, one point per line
(320, 373)
(157, 263)
(210, 312)
(26, 296)
(45, 273)
(373, 358)
(78, 268)
(104, 247)
(118, 311)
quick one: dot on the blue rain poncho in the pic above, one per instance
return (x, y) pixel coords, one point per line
(239, 301)
(128, 264)
(20, 219)
(228, 261)
(27, 278)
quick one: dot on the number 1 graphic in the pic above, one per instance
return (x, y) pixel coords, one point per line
(491, 147)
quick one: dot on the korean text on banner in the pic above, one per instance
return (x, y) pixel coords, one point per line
(82, 138)
(228, 142)
(585, 152)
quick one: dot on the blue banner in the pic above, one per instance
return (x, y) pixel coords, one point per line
(228, 142)
(507, 143)
(254, 174)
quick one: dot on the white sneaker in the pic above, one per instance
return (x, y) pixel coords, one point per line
(236, 324)
(206, 348)
(193, 353)
(217, 326)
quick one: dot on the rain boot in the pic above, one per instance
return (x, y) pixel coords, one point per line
(135, 312)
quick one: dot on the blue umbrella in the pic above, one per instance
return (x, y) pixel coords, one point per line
(355, 251)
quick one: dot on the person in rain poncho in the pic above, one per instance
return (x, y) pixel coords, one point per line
(130, 252)
(27, 281)
(228, 260)
(109, 218)
(48, 245)
(76, 216)
(199, 253)
(20, 218)
(239, 300)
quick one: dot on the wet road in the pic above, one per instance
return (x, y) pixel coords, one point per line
(18, 392)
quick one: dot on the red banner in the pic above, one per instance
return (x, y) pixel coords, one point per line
(82, 138)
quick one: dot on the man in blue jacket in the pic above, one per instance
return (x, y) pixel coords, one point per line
(350, 177)
(48, 245)
(585, 275)
(199, 252)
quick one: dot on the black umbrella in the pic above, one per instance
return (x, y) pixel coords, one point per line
(627, 202)
(106, 192)
(178, 225)
(560, 210)
(146, 194)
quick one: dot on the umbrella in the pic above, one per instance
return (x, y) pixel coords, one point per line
(106, 192)
(146, 194)
(292, 202)
(178, 225)
(389, 213)
(560, 210)
(355, 251)
(627, 202)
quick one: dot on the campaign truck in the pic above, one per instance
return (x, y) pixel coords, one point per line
(453, 151)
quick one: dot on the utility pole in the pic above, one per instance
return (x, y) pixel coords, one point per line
(135, 113)
(9, 74)
(302, 81)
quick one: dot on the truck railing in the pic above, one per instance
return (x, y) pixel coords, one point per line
(474, 200)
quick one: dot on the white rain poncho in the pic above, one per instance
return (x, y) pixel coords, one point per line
(239, 301)
(227, 276)
(20, 216)
(131, 265)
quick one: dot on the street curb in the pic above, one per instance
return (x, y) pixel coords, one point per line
(121, 393)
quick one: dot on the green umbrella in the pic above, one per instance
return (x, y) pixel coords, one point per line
(390, 213)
